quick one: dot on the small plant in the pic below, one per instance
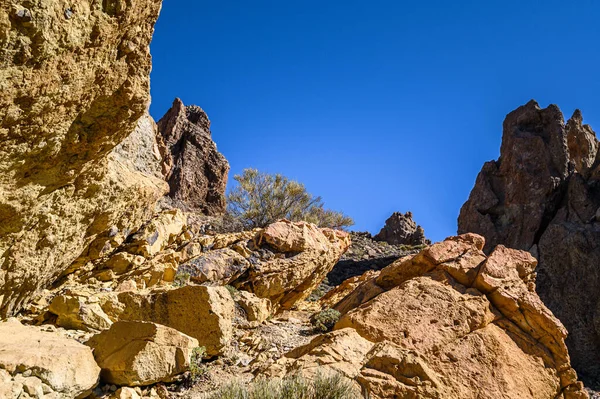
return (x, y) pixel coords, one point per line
(232, 291)
(325, 320)
(181, 279)
(333, 386)
(198, 370)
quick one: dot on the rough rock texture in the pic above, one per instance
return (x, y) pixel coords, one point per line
(542, 195)
(365, 254)
(34, 363)
(141, 353)
(401, 229)
(73, 85)
(204, 313)
(195, 170)
(306, 255)
(450, 322)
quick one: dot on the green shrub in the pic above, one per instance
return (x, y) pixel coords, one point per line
(333, 386)
(232, 290)
(260, 199)
(325, 320)
(181, 279)
(197, 369)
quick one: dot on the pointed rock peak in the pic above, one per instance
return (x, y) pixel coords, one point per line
(401, 229)
(577, 117)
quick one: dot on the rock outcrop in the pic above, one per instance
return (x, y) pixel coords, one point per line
(36, 363)
(195, 170)
(542, 196)
(304, 256)
(448, 322)
(75, 84)
(141, 353)
(401, 229)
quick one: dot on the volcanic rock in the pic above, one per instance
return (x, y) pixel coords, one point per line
(195, 170)
(542, 195)
(141, 353)
(37, 363)
(72, 89)
(450, 322)
(401, 229)
(305, 254)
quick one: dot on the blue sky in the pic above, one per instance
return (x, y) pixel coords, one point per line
(376, 106)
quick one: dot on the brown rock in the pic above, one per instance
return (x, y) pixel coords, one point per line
(32, 360)
(141, 353)
(540, 196)
(256, 309)
(72, 90)
(195, 170)
(341, 352)
(308, 254)
(450, 322)
(401, 229)
(204, 313)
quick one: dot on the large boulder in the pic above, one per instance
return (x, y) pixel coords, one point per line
(541, 196)
(450, 322)
(75, 84)
(36, 363)
(141, 353)
(304, 254)
(195, 170)
(204, 313)
(401, 229)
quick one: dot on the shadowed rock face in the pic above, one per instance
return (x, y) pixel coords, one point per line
(542, 195)
(195, 170)
(75, 84)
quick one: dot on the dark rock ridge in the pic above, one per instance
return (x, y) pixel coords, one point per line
(401, 229)
(195, 170)
(543, 195)
(366, 254)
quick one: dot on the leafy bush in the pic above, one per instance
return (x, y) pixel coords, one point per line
(325, 320)
(198, 370)
(333, 386)
(260, 199)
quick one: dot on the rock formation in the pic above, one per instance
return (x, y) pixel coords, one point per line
(448, 322)
(365, 254)
(542, 196)
(401, 229)
(195, 170)
(36, 363)
(74, 86)
(141, 353)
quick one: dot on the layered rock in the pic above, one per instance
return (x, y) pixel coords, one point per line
(75, 85)
(401, 229)
(448, 322)
(542, 196)
(36, 363)
(195, 170)
(305, 254)
(204, 313)
(141, 353)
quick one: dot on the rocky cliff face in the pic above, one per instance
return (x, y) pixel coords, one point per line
(401, 229)
(448, 322)
(75, 84)
(195, 170)
(542, 195)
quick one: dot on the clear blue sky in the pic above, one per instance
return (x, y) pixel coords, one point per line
(377, 106)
